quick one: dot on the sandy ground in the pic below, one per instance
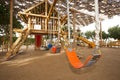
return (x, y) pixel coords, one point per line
(44, 65)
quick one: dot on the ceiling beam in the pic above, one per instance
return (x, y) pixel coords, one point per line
(87, 19)
(33, 7)
(78, 22)
(63, 20)
(82, 21)
(102, 16)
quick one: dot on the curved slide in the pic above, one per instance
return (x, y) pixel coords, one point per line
(91, 44)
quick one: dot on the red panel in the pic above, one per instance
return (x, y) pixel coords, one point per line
(54, 49)
(38, 40)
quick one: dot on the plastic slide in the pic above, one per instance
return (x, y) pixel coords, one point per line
(91, 44)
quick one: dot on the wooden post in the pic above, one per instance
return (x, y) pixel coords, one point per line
(11, 21)
(68, 21)
(74, 29)
(101, 34)
(59, 23)
(29, 22)
(46, 20)
(74, 44)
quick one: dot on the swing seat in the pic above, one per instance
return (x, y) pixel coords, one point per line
(93, 60)
(43, 48)
(76, 62)
(54, 49)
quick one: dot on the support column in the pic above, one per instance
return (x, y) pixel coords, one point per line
(74, 36)
(97, 24)
(68, 21)
(11, 21)
(38, 41)
(101, 42)
(46, 13)
(59, 24)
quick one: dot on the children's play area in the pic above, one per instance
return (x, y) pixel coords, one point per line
(43, 40)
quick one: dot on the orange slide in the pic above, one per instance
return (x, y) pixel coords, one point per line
(75, 61)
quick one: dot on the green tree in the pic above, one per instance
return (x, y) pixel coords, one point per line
(90, 34)
(65, 28)
(114, 32)
(105, 35)
(4, 20)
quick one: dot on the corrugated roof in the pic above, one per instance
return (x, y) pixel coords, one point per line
(84, 9)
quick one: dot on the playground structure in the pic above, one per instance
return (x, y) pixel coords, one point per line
(43, 18)
(110, 43)
(34, 64)
(114, 44)
(77, 37)
(46, 24)
(40, 21)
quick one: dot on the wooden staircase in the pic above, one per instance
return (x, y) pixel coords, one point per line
(17, 44)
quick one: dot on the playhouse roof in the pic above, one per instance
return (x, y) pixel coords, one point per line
(84, 9)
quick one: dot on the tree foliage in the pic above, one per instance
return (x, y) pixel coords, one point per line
(90, 34)
(65, 28)
(104, 35)
(5, 17)
(5, 20)
(114, 32)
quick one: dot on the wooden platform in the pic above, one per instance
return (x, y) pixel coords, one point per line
(114, 43)
(34, 31)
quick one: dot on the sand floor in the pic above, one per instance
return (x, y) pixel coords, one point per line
(44, 65)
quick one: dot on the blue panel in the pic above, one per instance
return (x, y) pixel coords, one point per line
(49, 46)
(93, 60)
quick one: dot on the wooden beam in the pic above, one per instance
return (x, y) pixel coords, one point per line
(51, 9)
(87, 13)
(93, 19)
(31, 14)
(33, 31)
(82, 21)
(46, 13)
(87, 19)
(36, 15)
(100, 33)
(63, 19)
(22, 18)
(74, 25)
(29, 23)
(78, 22)
(34, 6)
